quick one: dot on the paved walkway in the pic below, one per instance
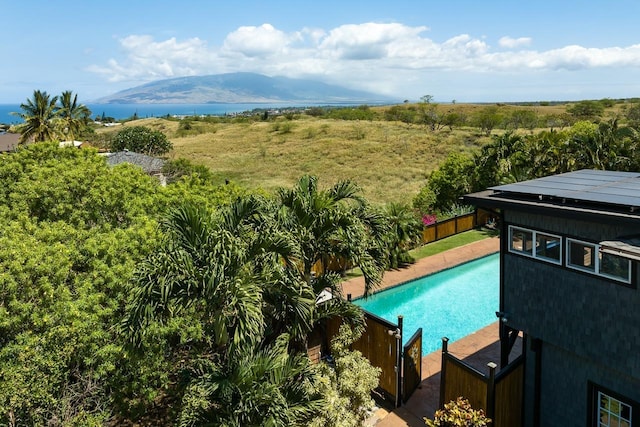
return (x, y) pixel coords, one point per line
(477, 349)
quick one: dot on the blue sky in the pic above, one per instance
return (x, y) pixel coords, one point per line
(489, 51)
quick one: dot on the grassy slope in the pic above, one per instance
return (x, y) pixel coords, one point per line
(389, 160)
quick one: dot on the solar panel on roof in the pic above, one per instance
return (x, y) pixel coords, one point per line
(609, 187)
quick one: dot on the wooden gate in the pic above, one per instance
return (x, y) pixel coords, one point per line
(381, 344)
(498, 394)
(412, 365)
(381, 347)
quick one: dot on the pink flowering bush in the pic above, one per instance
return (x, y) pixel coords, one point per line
(429, 219)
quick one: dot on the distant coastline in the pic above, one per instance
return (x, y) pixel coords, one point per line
(125, 111)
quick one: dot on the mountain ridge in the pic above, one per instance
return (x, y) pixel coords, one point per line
(239, 88)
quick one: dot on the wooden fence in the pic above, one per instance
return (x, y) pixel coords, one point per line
(498, 394)
(411, 365)
(458, 224)
(381, 344)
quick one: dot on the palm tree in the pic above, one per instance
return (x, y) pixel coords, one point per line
(332, 224)
(405, 232)
(39, 116)
(265, 387)
(221, 269)
(73, 116)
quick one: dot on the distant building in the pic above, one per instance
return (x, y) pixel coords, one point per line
(8, 141)
(570, 269)
(151, 165)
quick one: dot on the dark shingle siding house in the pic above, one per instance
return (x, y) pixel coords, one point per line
(570, 265)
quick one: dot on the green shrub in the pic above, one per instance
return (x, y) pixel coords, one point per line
(140, 139)
(347, 386)
(458, 413)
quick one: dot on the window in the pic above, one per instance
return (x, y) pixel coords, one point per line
(581, 255)
(548, 247)
(615, 266)
(588, 257)
(536, 244)
(611, 410)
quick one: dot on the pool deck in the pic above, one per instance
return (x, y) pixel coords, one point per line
(477, 349)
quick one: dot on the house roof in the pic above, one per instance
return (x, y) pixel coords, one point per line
(8, 141)
(148, 163)
(584, 191)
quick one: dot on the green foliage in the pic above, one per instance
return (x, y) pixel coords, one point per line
(404, 234)
(347, 385)
(527, 119)
(140, 139)
(451, 180)
(632, 114)
(362, 112)
(315, 112)
(425, 201)
(176, 169)
(73, 117)
(458, 413)
(586, 109)
(39, 116)
(73, 232)
(45, 120)
(487, 119)
(402, 113)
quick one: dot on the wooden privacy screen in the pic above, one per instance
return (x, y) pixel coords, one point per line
(498, 394)
(381, 350)
(412, 365)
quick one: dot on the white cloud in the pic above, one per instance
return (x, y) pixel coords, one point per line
(385, 57)
(147, 59)
(510, 43)
(260, 41)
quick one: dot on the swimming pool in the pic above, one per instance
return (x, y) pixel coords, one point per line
(451, 303)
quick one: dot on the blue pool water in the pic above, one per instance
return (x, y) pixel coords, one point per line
(451, 303)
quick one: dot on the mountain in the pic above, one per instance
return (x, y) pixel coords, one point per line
(239, 88)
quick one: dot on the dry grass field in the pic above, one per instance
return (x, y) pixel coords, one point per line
(388, 160)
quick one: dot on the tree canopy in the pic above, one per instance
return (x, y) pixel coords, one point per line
(141, 139)
(206, 277)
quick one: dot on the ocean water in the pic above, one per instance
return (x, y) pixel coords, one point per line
(125, 111)
(452, 303)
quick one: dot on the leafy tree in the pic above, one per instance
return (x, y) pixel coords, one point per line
(426, 99)
(173, 170)
(453, 119)
(73, 232)
(527, 119)
(141, 139)
(39, 114)
(425, 201)
(451, 180)
(586, 109)
(402, 113)
(632, 114)
(73, 116)
(487, 119)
